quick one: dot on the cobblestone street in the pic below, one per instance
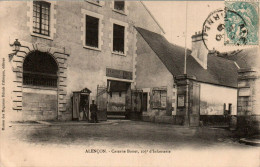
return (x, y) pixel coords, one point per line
(132, 140)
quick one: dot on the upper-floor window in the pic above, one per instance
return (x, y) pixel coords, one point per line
(118, 38)
(41, 17)
(119, 5)
(92, 34)
(92, 31)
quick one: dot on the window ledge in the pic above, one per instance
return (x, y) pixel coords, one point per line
(92, 48)
(39, 87)
(94, 3)
(117, 53)
(41, 36)
(120, 12)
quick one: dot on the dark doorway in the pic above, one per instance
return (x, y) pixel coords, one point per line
(144, 104)
(84, 107)
(80, 105)
(118, 93)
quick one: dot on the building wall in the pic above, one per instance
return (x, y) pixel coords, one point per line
(248, 115)
(39, 104)
(212, 99)
(82, 67)
(152, 73)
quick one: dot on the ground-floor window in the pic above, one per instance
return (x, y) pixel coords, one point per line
(159, 99)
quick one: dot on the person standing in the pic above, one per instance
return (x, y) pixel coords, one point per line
(93, 111)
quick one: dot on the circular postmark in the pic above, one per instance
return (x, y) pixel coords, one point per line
(222, 26)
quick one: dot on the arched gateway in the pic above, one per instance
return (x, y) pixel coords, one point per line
(40, 86)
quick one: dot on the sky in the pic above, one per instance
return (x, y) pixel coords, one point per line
(171, 15)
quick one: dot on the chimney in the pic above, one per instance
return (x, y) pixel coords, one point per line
(199, 50)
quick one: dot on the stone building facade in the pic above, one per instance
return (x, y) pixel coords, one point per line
(248, 105)
(59, 31)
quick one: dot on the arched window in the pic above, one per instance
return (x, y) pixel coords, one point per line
(40, 69)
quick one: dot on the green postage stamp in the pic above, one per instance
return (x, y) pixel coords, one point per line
(241, 23)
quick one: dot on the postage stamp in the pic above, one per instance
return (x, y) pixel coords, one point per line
(241, 23)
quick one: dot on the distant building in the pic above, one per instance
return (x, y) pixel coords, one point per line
(86, 47)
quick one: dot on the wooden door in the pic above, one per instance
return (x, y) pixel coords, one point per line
(145, 100)
(137, 97)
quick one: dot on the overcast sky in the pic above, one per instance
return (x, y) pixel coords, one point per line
(171, 15)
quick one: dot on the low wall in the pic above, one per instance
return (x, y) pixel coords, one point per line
(159, 119)
(214, 120)
(249, 124)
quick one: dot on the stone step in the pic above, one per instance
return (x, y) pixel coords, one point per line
(116, 113)
(115, 117)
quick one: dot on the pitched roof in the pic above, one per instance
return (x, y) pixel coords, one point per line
(220, 71)
(246, 58)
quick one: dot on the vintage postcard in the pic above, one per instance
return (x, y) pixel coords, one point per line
(130, 83)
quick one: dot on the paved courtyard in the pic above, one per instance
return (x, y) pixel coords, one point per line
(129, 143)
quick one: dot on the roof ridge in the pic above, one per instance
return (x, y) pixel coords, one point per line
(152, 16)
(221, 58)
(153, 48)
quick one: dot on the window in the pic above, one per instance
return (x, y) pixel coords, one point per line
(119, 5)
(92, 24)
(91, 30)
(40, 69)
(159, 99)
(41, 18)
(118, 38)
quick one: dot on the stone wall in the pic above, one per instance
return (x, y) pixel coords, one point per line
(39, 104)
(248, 113)
(185, 89)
